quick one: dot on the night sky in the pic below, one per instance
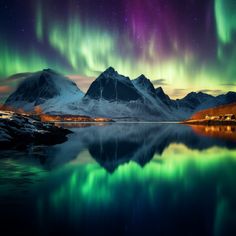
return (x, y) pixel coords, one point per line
(181, 45)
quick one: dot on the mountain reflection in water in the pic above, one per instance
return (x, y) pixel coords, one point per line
(123, 179)
(114, 144)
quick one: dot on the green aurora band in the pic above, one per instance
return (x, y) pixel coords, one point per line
(17, 62)
(225, 20)
(88, 50)
(87, 178)
(92, 50)
(183, 172)
(39, 23)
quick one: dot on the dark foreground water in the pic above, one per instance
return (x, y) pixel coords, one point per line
(122, 179)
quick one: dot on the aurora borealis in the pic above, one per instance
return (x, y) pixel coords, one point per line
(191, 185)
(142, 179)
(182, 45)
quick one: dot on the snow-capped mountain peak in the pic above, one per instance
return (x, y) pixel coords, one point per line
(44, 88)
(110, 71)
(144, 85)
(112, 86)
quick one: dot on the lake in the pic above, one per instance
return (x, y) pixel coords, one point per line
(123, 179)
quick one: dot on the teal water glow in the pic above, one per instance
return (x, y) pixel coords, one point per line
(129, 183)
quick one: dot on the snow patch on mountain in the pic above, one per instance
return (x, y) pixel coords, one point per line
(47, 89)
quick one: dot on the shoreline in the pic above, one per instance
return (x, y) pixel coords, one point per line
(210, 122)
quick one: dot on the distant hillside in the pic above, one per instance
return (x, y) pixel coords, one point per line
(216, 111)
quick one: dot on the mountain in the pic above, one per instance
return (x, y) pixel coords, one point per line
(149, 93)
(111, 95)
(114, 95)
(164, 97)
(47, 89)
(193, 100)
(112, 86)
(219, 100)
(144, 86)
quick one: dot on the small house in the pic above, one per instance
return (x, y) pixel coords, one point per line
(214, 117)
(229, 117)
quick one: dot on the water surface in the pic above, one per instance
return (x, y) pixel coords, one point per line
(128, 179)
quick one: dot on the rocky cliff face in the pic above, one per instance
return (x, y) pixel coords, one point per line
(112, 86)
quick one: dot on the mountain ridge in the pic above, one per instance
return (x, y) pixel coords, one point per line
(110, 95)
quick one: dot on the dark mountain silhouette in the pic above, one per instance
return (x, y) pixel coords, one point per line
(113, 87)
(193, 100)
